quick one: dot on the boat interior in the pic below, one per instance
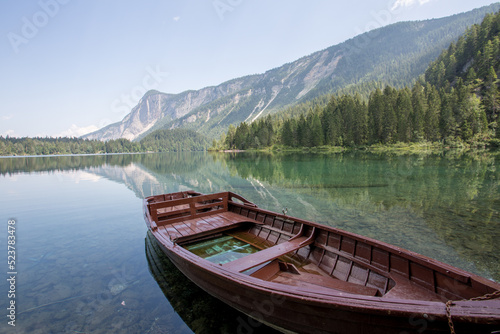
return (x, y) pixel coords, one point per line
(226, 229)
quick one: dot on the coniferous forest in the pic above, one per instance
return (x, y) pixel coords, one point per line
(158, 141)
(455, 103)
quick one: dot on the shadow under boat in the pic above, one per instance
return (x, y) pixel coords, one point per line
(201, 312)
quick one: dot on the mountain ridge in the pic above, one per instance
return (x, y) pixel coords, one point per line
(395, 54)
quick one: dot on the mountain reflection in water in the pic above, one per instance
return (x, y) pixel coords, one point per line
(445, 205)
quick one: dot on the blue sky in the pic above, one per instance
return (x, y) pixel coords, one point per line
(71, 66)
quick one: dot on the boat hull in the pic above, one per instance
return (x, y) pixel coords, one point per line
(300, 311)
(295, 314)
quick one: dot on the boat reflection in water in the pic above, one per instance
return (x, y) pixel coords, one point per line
(200, 311)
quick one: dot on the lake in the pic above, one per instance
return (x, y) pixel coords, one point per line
(84, 262)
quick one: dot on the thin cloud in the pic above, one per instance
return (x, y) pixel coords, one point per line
(176, 18)
(76, 131)
(7, 117)
(408, 3)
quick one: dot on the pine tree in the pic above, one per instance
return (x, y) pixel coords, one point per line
(419, 110)
(491, 97)
(375, 116)
(432, 116)
(329, 123)
(231, 131)
(241, 136)
(486, 61)
(460, 53)
(440, 74)
(302, 132)
(475, 119)
(451, 69)
(472, 80)
(485, 28)
(389, 119)
(316, 130)
(471, 42)
(461, 111)
(360, 121)
(287, 134)
(345, 117)
(447, 123)
(403, 111)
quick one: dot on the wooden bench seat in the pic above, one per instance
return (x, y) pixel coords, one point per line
(192, 229)
(268, 254)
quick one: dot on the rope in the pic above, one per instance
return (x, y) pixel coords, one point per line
(450, 303)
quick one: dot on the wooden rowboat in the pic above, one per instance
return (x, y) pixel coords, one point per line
(303, 277)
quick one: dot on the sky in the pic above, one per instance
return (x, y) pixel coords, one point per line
(69, 67)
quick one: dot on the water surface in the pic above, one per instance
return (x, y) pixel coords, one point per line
(81, 242)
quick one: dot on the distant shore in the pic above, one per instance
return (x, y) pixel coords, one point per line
(67, 155)
(389, 148)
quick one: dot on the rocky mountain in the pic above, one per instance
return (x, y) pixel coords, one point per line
(396, 54)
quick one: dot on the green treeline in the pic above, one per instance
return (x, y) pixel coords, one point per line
(457, 103)
(174, 141)
(63, 145)
(158, 141)
(423, 113)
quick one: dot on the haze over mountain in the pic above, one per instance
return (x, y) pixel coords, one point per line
(396, 54)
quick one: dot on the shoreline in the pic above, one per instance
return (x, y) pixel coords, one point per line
(377, 148)
(67, 155)
(392, 148)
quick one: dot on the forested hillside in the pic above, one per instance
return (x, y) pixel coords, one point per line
(457, 104)
(174, 140)
(397, 54)
(473, 61)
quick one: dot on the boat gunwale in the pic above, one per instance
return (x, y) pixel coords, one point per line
(459, 274)
(449, 270)
(352, 301)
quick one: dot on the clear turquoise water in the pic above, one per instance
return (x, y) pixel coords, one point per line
(80, 237)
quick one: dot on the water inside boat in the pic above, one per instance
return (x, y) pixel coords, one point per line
(222, 249)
